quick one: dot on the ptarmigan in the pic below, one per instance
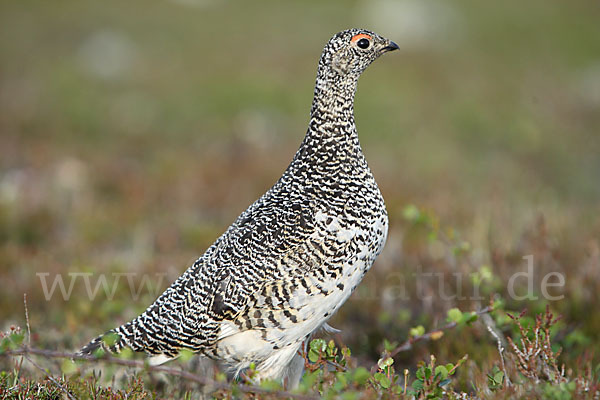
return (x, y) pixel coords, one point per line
(290, 261)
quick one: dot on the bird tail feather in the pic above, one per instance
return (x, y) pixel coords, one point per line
(111, 342)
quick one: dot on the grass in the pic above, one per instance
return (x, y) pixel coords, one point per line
(481, 132)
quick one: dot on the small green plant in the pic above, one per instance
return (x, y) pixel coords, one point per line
(432, 380)
(461, 318)
(495, 379)
(386, 379)
(11, 340)
(529, 369)
(330, 371)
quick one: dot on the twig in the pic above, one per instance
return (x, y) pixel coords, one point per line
(507, 382)
(407, 345)
(61, 387)
(26, 356)
(204, 381)
(27, 319)
(500, 341)
(535, 356)
(427, 336)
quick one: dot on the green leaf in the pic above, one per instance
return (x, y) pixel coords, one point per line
(421, 373)
(389, 346)
(11, 342)
(441, 371)
(427, 372)
(385, 382)
(499, 377)
(331, 349)
(417, 331)
(313, 356)
(469, 317)
(346, 352)
(417, 385)
(454, 315)
(318, 345)
(17, 339)
(385, 362)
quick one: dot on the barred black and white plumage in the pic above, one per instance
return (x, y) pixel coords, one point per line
(288, 262)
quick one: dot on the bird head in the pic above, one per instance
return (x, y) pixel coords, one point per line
(350, 52)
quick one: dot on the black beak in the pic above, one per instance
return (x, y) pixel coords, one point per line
(390, 47)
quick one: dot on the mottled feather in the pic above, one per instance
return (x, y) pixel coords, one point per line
(288, 262)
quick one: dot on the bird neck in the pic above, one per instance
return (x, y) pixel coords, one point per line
(332, 112)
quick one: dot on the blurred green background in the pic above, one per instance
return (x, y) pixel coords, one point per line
(133, 133)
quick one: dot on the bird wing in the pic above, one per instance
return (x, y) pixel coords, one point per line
(220, 285)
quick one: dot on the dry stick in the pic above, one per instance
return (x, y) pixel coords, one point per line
(500, 341)
(25, 350)
(507, 382)
(27, 319)
(408, 344)
(20, 364)
(61, 387)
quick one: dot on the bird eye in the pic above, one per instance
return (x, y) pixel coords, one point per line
(363, 43)
(362, 40)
